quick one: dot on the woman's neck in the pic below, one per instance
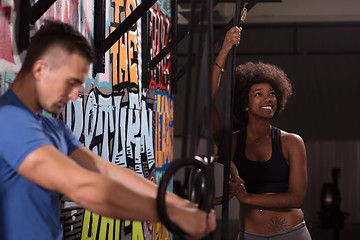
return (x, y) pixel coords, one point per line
(259, 129)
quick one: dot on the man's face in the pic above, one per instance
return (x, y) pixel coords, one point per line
(61, 80)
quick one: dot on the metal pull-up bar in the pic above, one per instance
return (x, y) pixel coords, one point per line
(103, 44)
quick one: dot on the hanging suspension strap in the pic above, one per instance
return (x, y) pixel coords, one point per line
(227, 124)
(198, 104)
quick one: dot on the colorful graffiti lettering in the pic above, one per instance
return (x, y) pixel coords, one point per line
(71, 218)
(164, 130)
(9, 58)
(159, 231)
(113, 116)
(123, 54)
(5, 46)
(120, 132)
(64, 10)
(108, 228)
(159, 32)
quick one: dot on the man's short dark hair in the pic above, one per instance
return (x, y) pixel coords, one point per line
(57, 34)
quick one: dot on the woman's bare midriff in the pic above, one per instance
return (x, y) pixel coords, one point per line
(268, 221)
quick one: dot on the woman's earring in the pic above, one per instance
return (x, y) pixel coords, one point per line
(246, 109)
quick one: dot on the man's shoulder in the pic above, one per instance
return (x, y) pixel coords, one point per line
(9, 104)
(12, 113)
(50, 120)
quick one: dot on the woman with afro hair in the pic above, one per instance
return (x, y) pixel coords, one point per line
(272, 180)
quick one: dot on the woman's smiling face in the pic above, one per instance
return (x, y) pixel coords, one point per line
(262, 100)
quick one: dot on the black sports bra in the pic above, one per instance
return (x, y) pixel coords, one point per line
(263, 177)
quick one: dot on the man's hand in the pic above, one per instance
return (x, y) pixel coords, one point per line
(194, 222)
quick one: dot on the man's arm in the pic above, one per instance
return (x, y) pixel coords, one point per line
(50, 169)
(94, 162)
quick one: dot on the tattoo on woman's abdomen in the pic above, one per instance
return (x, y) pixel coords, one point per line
(278, 225)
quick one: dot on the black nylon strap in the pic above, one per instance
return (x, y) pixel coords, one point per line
(197, 103)
(227, 126)
(184, 145)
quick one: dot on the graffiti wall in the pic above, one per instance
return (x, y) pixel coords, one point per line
(116, 116)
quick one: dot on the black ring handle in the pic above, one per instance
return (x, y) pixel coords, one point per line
(205, 199)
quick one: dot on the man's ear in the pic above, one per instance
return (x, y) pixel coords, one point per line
(38, 68)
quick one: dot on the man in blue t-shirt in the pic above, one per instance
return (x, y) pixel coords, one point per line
(40, 158)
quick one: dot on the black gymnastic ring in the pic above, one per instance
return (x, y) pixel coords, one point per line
(206, 193)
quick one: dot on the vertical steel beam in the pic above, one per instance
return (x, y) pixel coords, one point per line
(22, 31)
(173, 79)
(145, 50)
(99, 36)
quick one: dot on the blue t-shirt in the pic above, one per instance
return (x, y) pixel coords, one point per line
(28, 211)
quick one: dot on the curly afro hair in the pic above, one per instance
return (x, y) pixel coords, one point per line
(251, 73)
